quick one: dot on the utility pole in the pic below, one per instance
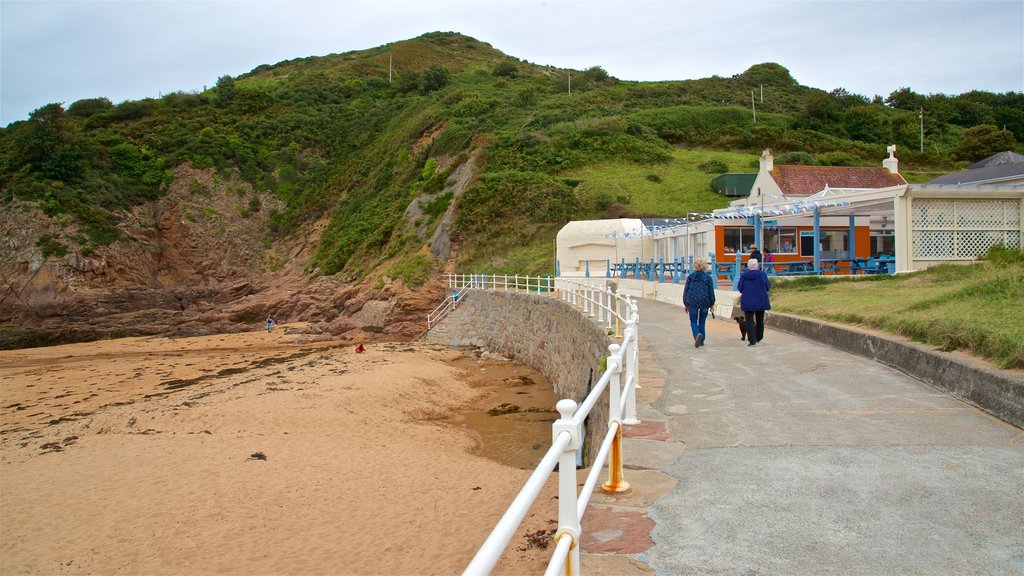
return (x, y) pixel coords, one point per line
(389, 68)
(920, 116)
(570, 82)
(762, 93)
(752, 108)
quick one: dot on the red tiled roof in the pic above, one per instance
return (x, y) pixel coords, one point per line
(806, 180)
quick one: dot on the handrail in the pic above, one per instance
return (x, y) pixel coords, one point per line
(610, 308)
(567, 431)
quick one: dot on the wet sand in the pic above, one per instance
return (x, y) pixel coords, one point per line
(249, 454)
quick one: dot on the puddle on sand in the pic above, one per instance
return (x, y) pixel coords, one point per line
(518, 439)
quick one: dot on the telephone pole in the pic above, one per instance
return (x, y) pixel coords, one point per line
(752, 107)
(570, 82)
(920, 116)
(389, 68)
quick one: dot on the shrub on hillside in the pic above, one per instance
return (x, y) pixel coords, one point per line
(713, 166)
(507, 68)
(499, 203)
(414, 269)
(1003, 256)
(616, 210)
(838, 159)
(796, 159)
(980, 142)
(89, 106)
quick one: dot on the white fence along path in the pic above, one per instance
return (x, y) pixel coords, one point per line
(617, 313)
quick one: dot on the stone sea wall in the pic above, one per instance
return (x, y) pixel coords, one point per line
(544, 333)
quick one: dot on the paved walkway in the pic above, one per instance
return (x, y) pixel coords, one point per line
(794, 458)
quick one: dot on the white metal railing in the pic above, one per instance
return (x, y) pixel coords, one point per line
(608, 308)
(605, 307)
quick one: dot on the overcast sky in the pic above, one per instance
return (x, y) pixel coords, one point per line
(131, 49)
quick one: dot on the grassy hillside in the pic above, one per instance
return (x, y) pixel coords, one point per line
(334, 140)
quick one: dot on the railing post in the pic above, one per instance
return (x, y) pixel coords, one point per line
(610, 311)
(632, 357)
(739, 268)
(634, 323)
(618, 314)
(568, 516)
(714, 270)
(615, 484)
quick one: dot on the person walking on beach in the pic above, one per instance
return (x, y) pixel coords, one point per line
(754, 286)
(698, 298)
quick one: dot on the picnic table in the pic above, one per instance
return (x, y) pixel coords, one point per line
(789, 268)
(838, 265)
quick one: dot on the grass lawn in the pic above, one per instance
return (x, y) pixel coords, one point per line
(978, 308)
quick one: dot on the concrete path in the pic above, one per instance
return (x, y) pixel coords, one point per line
(794, 458)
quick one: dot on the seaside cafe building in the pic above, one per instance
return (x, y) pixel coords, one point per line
(813, 220)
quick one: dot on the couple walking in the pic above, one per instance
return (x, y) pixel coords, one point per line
(699, 297)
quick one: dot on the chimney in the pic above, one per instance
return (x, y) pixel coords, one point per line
(891, 163)
(767, 160)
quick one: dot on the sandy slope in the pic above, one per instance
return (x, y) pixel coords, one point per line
(134, 456)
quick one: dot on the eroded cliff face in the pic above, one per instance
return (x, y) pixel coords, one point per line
(195, 262)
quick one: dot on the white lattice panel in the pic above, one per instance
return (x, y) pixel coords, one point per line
(933, 213)
(975, 243)
(985, 214)
(933, 244)
(1013, 216)
(963, 229)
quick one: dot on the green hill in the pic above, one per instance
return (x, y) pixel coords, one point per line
(376, 162)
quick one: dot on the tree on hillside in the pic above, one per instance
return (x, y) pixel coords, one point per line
(983, 141)
(906, 131)
(905, 99)
(225, 91)
(847, 99)
(767, 74)
(867, 124)
(819, 111)
(47, 144)
(1011, 119)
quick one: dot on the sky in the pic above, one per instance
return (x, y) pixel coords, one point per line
(132, 49)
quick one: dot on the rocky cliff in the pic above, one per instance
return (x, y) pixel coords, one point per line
(193, 262)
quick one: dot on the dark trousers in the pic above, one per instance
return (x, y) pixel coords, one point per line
(755, 325)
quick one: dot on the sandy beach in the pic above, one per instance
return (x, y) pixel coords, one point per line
(253, 454)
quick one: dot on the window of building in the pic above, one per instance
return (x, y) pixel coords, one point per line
(737, 238)
(780, 240)
(883, 243)
(833, 243)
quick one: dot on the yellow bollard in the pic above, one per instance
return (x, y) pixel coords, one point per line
(615, 483)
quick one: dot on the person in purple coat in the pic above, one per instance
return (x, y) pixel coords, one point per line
(754, 286)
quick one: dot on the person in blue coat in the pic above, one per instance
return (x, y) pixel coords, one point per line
(698, 298)
(754, 286)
